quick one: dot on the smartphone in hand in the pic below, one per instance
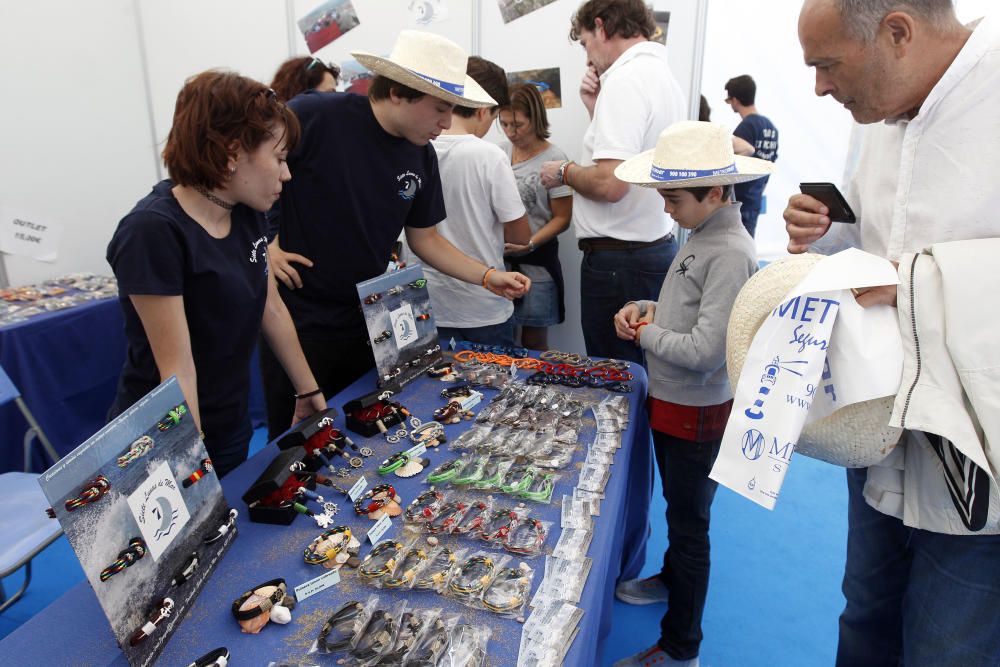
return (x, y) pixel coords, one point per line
(840, 210)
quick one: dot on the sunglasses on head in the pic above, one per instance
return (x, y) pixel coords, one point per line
(330, 67)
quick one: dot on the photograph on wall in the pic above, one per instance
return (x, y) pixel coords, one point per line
(400, 321)
(662, 23)
(354, 78)
(327, 23)
(425, 12)
(515, 9)
(547, 82)
(144, 513)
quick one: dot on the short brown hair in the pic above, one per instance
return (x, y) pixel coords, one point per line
(493, 80)
(625, 18)
(382, 87)
(699, 193)
(298, 75)
(216, 114)
(524, 97)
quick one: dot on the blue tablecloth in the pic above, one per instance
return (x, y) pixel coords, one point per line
(262, 552)
(66, 365)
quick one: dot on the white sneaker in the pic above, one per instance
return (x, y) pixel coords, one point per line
(642, 591)
(654, 656)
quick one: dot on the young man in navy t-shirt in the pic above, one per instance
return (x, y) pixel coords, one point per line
(365, 171)
(759, 132)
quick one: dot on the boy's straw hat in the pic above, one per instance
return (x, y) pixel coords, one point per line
(431, 64)
(856, 436)
(692, 154)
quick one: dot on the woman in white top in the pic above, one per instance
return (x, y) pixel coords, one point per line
(526, 125)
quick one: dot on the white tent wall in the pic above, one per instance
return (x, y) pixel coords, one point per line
(82, 132)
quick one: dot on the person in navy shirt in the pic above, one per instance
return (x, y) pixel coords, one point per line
(192, 266)
(365, 171)
(759, 132)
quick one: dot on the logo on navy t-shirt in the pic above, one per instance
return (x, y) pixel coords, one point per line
(410, 185)
(261, 245)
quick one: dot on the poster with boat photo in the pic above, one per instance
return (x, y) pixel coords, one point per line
(144, 512)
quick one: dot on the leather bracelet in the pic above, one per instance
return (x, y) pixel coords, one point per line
(309, 393)
(408, 565)
(437, 570)
(269, 602)
(562, 172)
(217, 658)
(565, 172)
(345, 616)
(503, 605)
(93, 492)
(487, 275)
(126, 558)
(160, 613)
(314, 557)
(463, 584)
(371, 568)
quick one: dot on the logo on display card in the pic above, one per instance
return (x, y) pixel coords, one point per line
(159, 510)
(404, 327)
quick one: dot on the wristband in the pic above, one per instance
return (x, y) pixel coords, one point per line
(565, 173)
(487, 275)
(562, 172)
(639, 326)
(309, 394)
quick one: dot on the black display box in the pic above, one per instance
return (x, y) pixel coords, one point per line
(271, 480)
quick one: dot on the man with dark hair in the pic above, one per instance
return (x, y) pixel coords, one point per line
(626, 238)
(484, 211)
(759, 132)
(366, 171)
(922, 579)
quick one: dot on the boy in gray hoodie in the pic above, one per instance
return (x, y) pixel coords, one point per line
(684, 337)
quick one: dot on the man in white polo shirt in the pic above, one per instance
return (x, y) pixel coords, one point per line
(626, 238)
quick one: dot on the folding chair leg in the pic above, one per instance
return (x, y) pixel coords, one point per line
(16, 596)
(46, 445)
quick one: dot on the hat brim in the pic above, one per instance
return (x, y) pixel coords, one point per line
(636, 171)
(474, 96)
(855, 436)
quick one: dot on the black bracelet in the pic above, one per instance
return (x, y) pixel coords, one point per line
(309, 393)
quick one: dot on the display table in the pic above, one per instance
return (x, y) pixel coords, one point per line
(262, 552)
(66, 365)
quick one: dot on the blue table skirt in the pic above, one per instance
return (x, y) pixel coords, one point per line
(262, 552)
(66, 365)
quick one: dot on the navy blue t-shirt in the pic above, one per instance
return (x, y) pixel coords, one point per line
(761, 133)
(353, 189)
(159, 250)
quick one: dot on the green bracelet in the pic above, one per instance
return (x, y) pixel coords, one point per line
(476, 472)
(393, 463)
(445, 472)
(543, 495)
(521, 486)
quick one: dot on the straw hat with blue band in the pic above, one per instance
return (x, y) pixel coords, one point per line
(431, 64)
(692, 154)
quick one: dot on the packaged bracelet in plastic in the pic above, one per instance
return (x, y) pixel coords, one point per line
(494, 472)
(447, 470)
(435, 571)
(472, 472)
(448, 516)
(496, 442)
(412, 624)
(508, 593)
(471, 439)
(518, 477)
(568, 430)
(337, 633)
(468, 645)
(424, 507)
(594, 477)
(470, 577)
(476, 514)
(543, 483)
(498, 524)
(378, 633)
(381, 560)
(432, 643)
(527, 536)
(551, 621)
(405, 567)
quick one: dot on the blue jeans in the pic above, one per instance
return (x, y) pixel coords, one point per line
(684, 468)
(916, 597)
(749, 217)
(493, 334)
(608, 280)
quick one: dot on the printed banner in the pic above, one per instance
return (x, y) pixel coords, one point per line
(788, 377)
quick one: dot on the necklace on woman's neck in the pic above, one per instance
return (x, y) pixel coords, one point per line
(215, 200)
(519, 155)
